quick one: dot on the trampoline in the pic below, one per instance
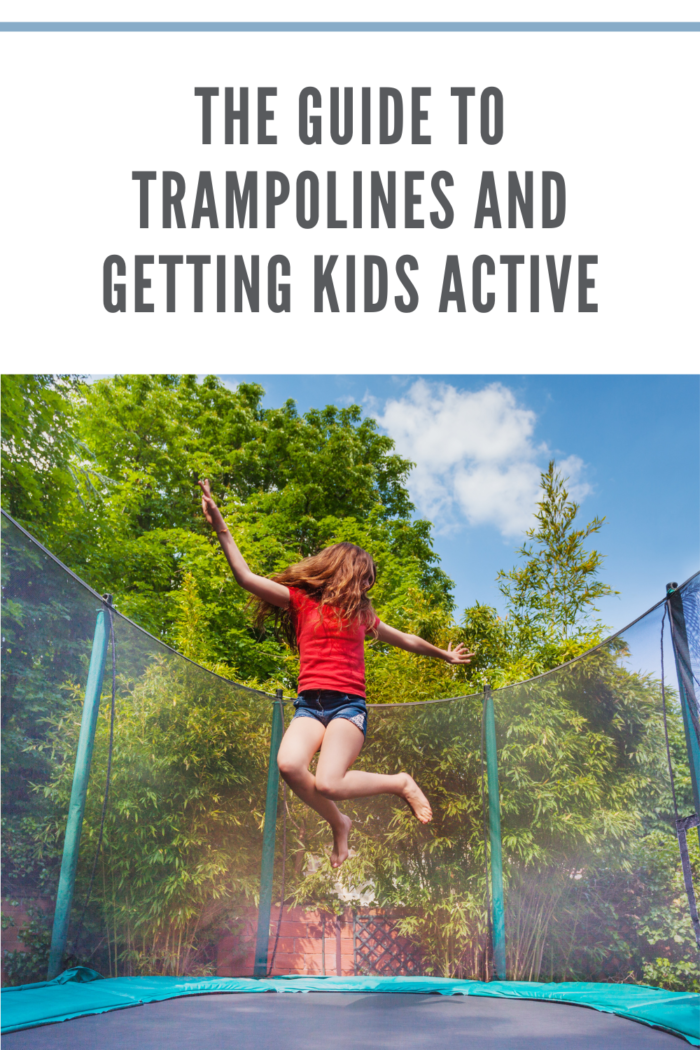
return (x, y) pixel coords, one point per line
(345, 1020)
(167, 880)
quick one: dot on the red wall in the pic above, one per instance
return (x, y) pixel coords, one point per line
(300, 945)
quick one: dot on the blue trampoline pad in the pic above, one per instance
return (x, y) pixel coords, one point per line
(381, 1013)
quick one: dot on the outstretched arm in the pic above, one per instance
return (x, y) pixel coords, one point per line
(260, 586)
(413, 644)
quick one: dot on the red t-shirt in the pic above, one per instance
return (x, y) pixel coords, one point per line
(332, 656)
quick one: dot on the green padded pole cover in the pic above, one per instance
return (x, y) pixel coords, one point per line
(686, 687)
(76, 809)
(497, 901)
(268, 850)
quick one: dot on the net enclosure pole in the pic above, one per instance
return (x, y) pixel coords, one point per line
(269, 834)
(686, 687)
(76, 808)
(497, 900)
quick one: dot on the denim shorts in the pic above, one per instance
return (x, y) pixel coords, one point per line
(326, 704)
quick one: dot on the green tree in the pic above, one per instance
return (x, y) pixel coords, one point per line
(550, 596)
(555, 590)
(44, 463)
(288, 485)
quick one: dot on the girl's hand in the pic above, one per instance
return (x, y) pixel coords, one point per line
(209, 507)
(458, 655)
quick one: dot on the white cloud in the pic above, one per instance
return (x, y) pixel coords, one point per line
(475, 455)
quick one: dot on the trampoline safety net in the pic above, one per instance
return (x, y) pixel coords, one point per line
(146, 831)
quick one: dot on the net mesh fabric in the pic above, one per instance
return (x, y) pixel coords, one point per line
(589, 851)
(181, 851)
(590, 861)
(691, 609)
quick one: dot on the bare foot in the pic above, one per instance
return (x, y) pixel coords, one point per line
(340, 842)
(417, 800)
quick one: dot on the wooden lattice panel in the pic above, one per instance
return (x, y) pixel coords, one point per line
(380, 949)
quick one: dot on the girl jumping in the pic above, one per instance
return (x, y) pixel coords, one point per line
(322, 606)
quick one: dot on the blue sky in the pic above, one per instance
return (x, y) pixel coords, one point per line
(630, 444)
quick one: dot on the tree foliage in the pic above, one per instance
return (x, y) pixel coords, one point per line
(550, 596)
(45, 465)
(288, 486)
(554, 591)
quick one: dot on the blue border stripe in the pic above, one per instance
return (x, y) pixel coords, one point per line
(350, 27)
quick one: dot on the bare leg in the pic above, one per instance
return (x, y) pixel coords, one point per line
(299, 744)
(341, 745)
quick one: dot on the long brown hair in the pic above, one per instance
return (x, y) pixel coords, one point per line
(337, 578)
